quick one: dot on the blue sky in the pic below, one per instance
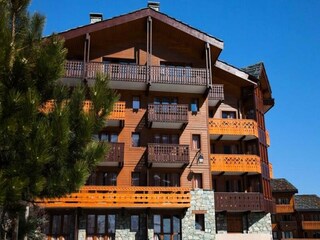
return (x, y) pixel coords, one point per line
(284, 34)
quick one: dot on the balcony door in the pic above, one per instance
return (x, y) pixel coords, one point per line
(166, 227)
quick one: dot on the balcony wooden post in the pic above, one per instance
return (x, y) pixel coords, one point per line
(86, 54)
(149, 48)
(208, 65)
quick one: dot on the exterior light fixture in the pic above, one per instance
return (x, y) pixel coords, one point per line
(200, 158)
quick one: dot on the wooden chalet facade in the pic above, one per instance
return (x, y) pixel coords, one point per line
(296, 216)
(188, 138)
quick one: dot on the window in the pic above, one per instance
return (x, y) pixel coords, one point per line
(135, 103)
(110, 179)
(287, 234)
(100, 225)
(275, 235)
(134, 223)
(109, 137)
(196, 141)
(166, 227)
(194, 106)
(286, 217)
(158, 138)
(166, 179)
(135, 179)
(229, 114)
(197, 180)
(199, 222)
(135, 139)
(283, 201)
(230, 149)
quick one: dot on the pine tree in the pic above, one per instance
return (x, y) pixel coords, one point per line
(43, 153)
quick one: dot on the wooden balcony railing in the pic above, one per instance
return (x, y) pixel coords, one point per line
(122, 197)
(168, 113)
(311, 225)
(288, 225)
(235, 163)
(230, 201)
(233, 127)
(168, 153)
(216, 92)
(118, 111)
(117, 72)
(138, 73)
(178, 75)
(116, 153)
(74, 69)
(268, 138)
(284, 208)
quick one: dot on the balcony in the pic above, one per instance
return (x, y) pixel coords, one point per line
(235, 164)
(233, 129)
(239, 202)
(284, 208)
(115, 156)
(171, 116)
(288, 225)
(216, 95)
(311, 225)
(122, 197)
(168, 155)
(178, 79)
(136, 77)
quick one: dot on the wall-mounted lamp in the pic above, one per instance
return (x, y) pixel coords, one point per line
(200, 158)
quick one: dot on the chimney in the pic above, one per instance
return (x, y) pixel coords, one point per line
(154, 5)
(96, 17)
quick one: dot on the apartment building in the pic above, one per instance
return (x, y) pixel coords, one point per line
(188, 140)
(297, 216)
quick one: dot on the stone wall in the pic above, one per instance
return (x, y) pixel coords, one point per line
(202, 201)
(259, 223)
(221, 221)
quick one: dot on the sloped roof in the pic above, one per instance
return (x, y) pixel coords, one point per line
(254, 70)
(282, 185)
(307, 203)
(142, 13)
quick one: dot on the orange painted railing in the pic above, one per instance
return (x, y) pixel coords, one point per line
(311, 225)
(284, 208)
(268, 138)
(235, 163)
(233, 127)
(118, 197)
(118, 111)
